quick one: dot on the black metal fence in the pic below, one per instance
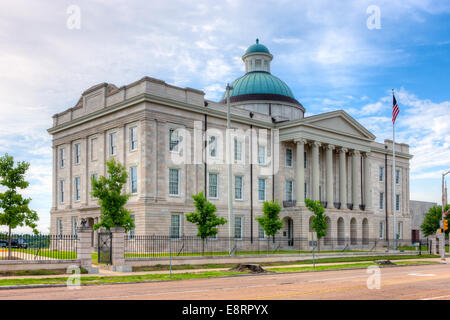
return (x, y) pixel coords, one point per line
(37, 247)
(154, 246)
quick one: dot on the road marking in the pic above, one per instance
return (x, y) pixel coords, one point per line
(422, 274)
(435, 298)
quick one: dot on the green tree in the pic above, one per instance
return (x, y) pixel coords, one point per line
(431, 220)
(319, 222)
(270, 220)
(205, 218)
(15, 210)
(111, 198)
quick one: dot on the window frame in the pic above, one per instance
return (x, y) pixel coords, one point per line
(62, 158)
(381, 200)
(77, 153)
(397, 176)
(113, 143)
(77, 189)
(171, 235)
(265, 189)
(291, 192)
(133, 168)
(237, 143)
(133, 138)
(240, 227)
(178, 183)
(380, 174)
(291, 158)
(61, 190)
(241, 187)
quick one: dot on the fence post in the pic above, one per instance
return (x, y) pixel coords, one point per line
(84, 249)
(118, 250)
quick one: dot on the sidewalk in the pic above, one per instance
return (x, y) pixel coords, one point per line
(105, 272)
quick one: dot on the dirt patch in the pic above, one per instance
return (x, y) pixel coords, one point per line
(384, 262)
(251, 268)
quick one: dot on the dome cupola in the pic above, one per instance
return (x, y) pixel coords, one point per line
(257, 58)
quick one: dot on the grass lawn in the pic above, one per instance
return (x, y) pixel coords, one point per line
(54, 254)
(309, 261)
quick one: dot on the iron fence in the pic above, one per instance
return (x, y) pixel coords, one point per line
(37, 247)
(156, 246)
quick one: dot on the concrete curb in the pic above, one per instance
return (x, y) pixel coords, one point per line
(59, 285)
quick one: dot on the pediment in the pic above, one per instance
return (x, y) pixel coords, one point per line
(340, 122)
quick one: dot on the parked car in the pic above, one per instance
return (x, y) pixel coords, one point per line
(18, 243)
(3, 243)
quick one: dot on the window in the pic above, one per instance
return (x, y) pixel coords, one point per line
(262, 189)
(397, 202)
(397, 176)
(112, 143)
(306, 190)
(94, 149)
(132, 231)
(380, 174)
(320, 193)
(238, 187)
(174, 140)
(62, 155)
(133, 138)
(175, 226)
(59, 226)
(77, 153)
(261, 232)
(289, 191)
(212, 146)
(288, 157)
(61, 191)
(237, 150)
(77, 188)
(213, 185)
(305, 160)
(400, 230)
(381, 200)
(74, 225)
(381, 233)
(174, 183)
(238, 227)
(261, 155)
(133, 180)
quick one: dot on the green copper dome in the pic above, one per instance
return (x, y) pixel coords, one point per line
(257, 47)
(260, 82)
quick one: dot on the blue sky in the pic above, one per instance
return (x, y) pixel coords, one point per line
(322, 49)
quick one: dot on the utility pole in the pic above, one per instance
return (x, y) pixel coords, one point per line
(443, 218)
(230, 171)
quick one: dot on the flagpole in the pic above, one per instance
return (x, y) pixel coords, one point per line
(393, 180)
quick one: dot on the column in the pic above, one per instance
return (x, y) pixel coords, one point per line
(342, 178)
(118, 250)
(356, 193)
(329, 160)
(300, 172)
(315, 170)
(367, 184)
(55, 186)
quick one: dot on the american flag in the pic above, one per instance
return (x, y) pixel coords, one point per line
(395, 109)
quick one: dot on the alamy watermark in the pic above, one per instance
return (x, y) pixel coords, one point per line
(374, 20)
(74, 19)
(74, 280)
(230, 146)
(374, 280)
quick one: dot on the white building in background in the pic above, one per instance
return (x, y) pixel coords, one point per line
(147, 124)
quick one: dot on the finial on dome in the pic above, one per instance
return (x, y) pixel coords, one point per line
(257, 40)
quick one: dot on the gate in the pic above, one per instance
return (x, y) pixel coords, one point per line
(104, 247)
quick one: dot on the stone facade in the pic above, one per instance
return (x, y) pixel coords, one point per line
(343, 163)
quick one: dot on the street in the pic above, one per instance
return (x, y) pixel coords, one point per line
(413, 282)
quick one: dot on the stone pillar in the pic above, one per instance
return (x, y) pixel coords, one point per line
(329, 159)
(84, 249)
(300, 172)
(342, 178)
(367, 184)
(356, 192)
(118, 250)
(315, 170)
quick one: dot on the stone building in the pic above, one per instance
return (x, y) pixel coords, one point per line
(171, 141)
(418, 210)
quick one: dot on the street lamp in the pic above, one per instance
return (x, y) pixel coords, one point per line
(443, 217)
(230, 171)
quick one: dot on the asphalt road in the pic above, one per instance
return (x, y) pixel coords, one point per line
(412, 282)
